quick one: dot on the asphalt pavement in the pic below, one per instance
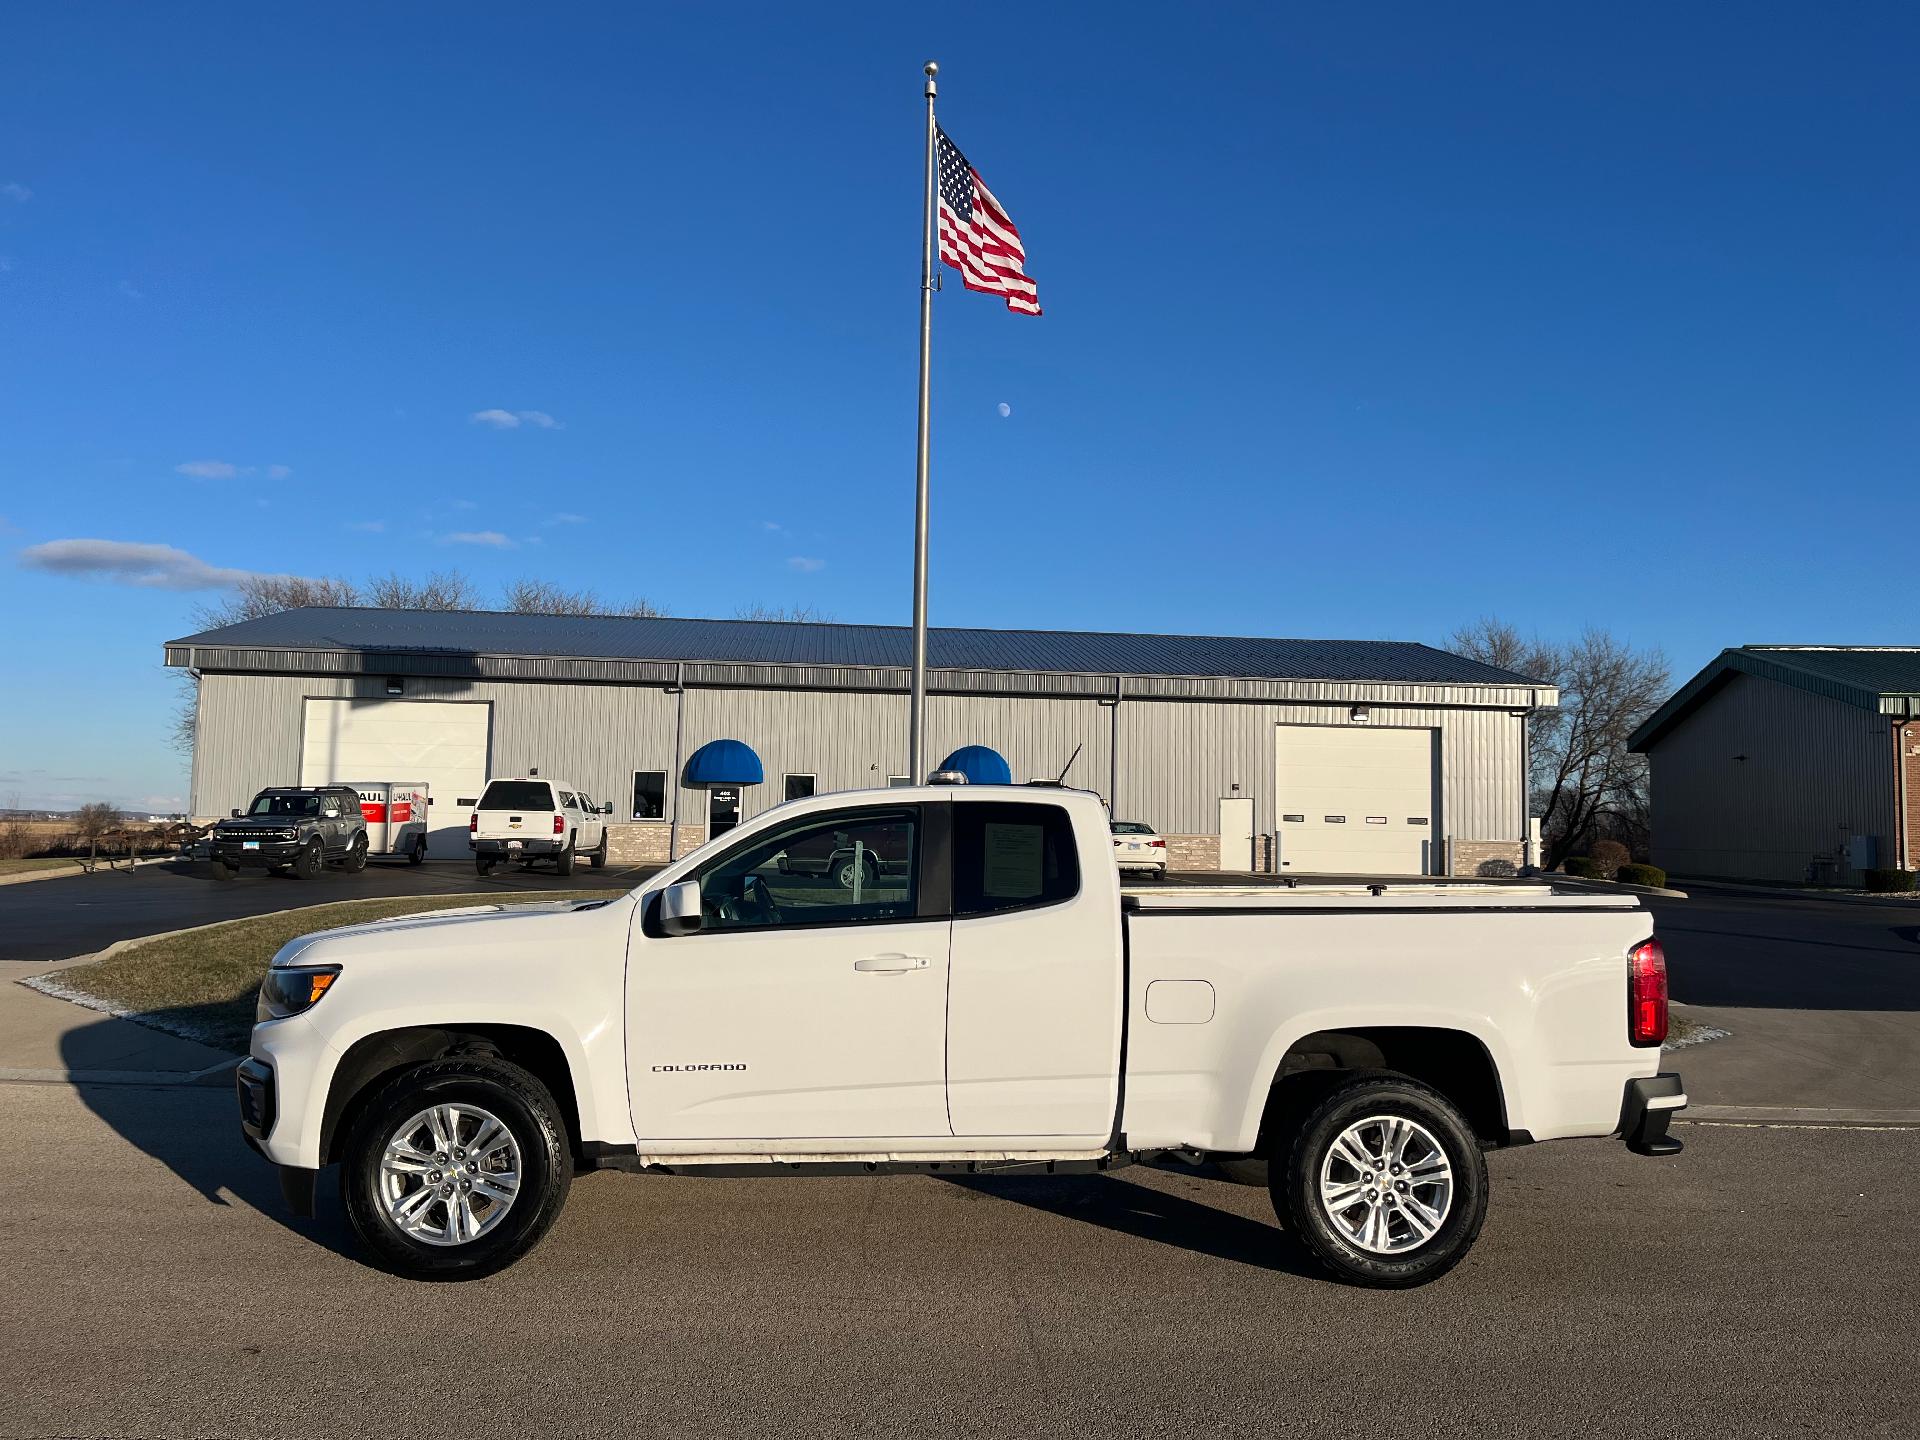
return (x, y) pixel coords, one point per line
(83, 914)
(156, 1288)
(1820, 998)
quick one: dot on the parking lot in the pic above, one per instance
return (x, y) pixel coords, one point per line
(159, 1288)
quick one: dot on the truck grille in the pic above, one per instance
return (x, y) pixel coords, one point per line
(252, 833)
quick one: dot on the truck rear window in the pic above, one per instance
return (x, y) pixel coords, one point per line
(518, 795)
(1009, 857)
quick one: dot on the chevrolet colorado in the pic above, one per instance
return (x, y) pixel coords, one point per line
(995, 1004)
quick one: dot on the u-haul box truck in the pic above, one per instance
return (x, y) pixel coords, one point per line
(396, 816)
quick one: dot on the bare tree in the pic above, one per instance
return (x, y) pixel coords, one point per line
(1586, 785)
(259, 595)
(807, 614)
(543, 597)
(92, 822)
(441, 590)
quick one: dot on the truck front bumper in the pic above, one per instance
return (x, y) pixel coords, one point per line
(254, 1088)
(270, 852)
(1650, 1106)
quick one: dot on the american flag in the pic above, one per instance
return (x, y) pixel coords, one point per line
(977, 238)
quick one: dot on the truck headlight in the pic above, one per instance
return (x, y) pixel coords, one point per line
(289, 991)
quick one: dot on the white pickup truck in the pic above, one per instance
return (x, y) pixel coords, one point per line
(996, 1005)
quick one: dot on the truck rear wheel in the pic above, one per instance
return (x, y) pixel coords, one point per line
(456, 1168)
(356, 860)
(563, 862)
(1383, 1181)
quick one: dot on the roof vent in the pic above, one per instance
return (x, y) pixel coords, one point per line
(948, 777)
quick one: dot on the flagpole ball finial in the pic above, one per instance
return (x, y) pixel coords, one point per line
(932, 68)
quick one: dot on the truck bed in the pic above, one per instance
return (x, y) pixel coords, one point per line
(1366, 895)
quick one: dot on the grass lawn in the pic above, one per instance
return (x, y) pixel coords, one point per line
(27, 867)
(202, 984)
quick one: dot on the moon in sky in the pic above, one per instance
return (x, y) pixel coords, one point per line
(1005, 409)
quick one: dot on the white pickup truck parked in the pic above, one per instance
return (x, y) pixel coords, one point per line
(997, 1005)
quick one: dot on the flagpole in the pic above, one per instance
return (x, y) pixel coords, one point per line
(917, 715)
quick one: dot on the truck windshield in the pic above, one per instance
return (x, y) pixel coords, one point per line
(518, 795)
(286, 805)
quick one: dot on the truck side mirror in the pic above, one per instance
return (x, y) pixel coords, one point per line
(233, 814)
(680, 908)
(607, 809)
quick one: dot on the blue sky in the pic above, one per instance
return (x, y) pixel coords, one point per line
(1360, 321)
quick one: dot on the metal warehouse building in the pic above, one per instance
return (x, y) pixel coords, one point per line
(1308, 756)
(1789, 762)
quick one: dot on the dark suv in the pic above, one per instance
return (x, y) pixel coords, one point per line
(301, 829)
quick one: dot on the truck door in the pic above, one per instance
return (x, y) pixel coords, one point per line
(1034, 1010)
(803, 1008)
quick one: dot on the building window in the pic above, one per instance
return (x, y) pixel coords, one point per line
(649, 794)
(799, 787)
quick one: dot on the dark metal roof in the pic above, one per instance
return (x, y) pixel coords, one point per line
(774, 642)
(1884, 679)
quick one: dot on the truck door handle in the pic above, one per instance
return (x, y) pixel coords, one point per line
(891, 964)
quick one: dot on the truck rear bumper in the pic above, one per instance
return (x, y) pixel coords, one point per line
(1650, 1106)
(516, 848)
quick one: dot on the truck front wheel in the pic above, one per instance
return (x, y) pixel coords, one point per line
(456, 1168)
(1383, 1181)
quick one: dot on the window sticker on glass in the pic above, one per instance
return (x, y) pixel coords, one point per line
(1014, 857)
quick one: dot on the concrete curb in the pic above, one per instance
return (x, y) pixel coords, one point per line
(50, 874)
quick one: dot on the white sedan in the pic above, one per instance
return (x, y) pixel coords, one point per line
(1138, 847)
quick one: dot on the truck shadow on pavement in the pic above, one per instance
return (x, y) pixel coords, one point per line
(1150, 1214)
(194, 1130)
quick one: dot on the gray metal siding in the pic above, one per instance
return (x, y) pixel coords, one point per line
(1178, 760)
(1176, 757)
(1818, 771)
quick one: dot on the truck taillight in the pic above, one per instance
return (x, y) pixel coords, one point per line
(473, 824)
(559, 824)
(1647, 993)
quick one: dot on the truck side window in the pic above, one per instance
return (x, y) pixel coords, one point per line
(848, 868)
(1011, 857)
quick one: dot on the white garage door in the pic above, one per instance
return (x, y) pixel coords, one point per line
(1355, 800)
(439, 741)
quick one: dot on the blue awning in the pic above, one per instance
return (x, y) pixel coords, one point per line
(724, 762)
(981, 764)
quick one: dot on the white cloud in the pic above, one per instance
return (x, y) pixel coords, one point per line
(564, 517)
(227, 470)
(491, 538)
(368, 527)
(807, 564)
(773, 525)
(16, 192)
(514, 419)
(131, 291)
(151, 567)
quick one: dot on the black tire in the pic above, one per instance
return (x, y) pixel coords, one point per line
(311, 862)
(221, 870)
(598, 858)
(522, 1104)
(563, 862)
(1296, 1172)
(418, 855)
(356, 857)
(843, 872)
(483, 864)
